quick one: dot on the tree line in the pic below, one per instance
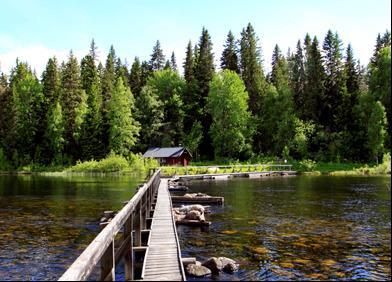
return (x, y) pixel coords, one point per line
(317, 102)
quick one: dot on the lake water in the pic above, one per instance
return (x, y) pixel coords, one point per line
(46, 222)
(277, 228)
(297, 228)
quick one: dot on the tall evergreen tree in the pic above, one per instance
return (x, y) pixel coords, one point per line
(74, 105)
(279, 74)
(204, 70)
(124, 129)
(351, 72)
(157, 60)
(91, 135)
(135, 77)
(51, 82)
(145, 72)
(6, 116)
(298, 77)
(229, 59)
(173, 62)
(54, 134)
(253, 77)
(122, 71)
(167, 65)
(189, 64)
(335, 99)
(314, 86)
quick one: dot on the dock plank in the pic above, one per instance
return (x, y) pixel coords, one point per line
(163, 261)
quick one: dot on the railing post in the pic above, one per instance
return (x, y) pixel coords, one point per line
(138, 228)
(128, 259)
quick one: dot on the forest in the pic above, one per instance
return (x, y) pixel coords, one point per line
(318, 102)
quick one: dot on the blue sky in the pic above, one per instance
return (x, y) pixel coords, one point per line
(36, 30)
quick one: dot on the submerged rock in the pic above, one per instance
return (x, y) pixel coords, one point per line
(214, 264)
(186, 209)
(193, 215)
(197, 270)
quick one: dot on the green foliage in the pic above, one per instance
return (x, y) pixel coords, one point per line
(228, 105)
(54, 133)
(376, 130)
(135, 77)
(193, 139)
(3, 161)
(124, 129)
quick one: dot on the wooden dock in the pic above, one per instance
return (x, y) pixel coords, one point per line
(163, 257)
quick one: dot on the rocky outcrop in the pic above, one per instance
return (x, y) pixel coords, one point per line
(192, 212)
(197, 270)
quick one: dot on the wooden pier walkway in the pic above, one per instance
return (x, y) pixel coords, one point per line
(163, 257)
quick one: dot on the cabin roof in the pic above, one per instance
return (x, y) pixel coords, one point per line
(168, 152)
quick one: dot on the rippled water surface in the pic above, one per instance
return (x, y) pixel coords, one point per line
(46, 222)
(291, 228)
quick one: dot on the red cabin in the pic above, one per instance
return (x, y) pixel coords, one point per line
(169, 156)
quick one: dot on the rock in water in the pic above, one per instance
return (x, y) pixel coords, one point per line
(228, 265)
(214, 264)
(193, 215)
(197, 270)
(186, 209)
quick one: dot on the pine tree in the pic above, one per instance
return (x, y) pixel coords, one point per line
(280, 73)
(204, 70)
(351, 73)
(298, 77)
(251, 69)
(122, 71)
(253, 77)
(157, 58)
(189, 64)
(135, 77)
(124, 129)
(74, 105)
(173, 62)
(167, 65)
(51, 82)
(335, 99)
(229, 59)
(314, 86)
(91, 135)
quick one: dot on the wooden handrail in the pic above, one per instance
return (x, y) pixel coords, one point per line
(230, 166)
(83, 266)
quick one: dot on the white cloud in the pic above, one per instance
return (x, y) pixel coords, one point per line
(36, 55)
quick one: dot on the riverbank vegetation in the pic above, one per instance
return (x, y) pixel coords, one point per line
(318, 104)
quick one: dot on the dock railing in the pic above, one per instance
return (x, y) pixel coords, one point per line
(108, 248)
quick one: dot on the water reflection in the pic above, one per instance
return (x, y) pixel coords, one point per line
(308, 228)
(46, 222)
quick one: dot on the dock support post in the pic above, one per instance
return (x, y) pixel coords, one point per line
(107, 264)
(128, 259)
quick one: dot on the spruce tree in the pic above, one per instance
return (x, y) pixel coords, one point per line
(123, 128)
(6, 115)
(54, 134)
(351, 73)
(145, 72)
(189, 63)
(298, 77)
(253, 77)
(229, 59)
(51, 82)
(157, 60)
(135, 77)
(173, 62)
(335, 99)
(279, 74)
(92, 135)
(167, 65)
(204, 70)
(314, 86)
(122, 71)
(74, 106)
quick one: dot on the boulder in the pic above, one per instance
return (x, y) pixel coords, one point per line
(193, 215)
(228, 265)
(197, 270)
(213, 264)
